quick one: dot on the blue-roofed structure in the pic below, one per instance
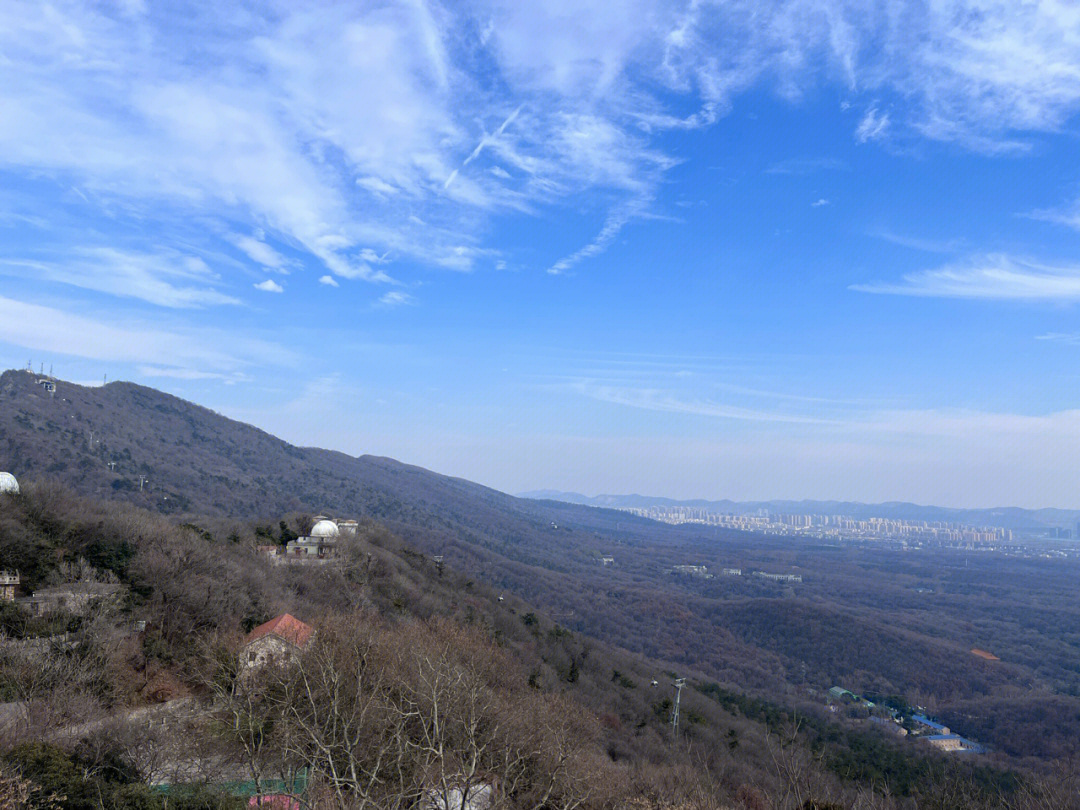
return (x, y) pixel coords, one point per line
(922, 720)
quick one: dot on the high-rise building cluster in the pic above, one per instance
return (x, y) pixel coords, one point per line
(832, 525)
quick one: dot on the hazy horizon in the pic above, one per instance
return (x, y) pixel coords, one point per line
(692, 499)
(586, 493)
(820, 251)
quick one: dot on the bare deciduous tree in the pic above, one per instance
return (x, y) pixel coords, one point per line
(421, 714)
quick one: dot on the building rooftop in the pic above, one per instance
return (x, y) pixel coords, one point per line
(324, 528)
(966, 745)
(923, 720)
(286, 627)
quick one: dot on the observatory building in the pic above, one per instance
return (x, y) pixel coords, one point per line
(8, 484)
(323, 539)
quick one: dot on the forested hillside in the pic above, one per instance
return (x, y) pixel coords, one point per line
(882, 622)
(556, 719)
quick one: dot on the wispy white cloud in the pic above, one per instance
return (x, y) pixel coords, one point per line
(982, 73)
(487, 140)
(377, 186)
(958, 426)
(804, 166)
(168, 278)
(873, 125)
(329, 281)
(371, 257)
(1067, 215)
(818, 203)
(61, 332)
(615, 222)
(260, 252)
(918, 243)
(994, 67)
(179, 373)
(270, 286)
(341, 128)
(962, 425)
(994, 276)
(659, 400)
(396, 298)
(1069, 338)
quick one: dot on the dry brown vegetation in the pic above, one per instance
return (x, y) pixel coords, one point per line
(871, 620)
(391, 717)
(421, 683)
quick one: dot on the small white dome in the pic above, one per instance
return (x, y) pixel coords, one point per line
(324, 528)
(8, 483)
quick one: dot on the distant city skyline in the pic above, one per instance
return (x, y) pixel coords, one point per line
(823, 250)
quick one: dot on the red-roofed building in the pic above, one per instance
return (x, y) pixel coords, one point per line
(279, 639)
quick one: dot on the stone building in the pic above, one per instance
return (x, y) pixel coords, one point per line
(946, 742)
(277, 641)
(9, 583)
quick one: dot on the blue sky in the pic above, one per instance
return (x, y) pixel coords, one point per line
(814, 249)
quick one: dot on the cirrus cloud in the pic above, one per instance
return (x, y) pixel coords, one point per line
(994, 277)
(343, 128)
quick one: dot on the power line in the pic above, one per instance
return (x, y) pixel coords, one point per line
(679, 684)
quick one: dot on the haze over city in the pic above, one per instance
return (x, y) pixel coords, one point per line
(748, 251)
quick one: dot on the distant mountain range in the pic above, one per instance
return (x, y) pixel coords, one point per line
(126, 441)
(1008, 517)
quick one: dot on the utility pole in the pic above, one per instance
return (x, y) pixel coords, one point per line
(679, 684)
(142, 480)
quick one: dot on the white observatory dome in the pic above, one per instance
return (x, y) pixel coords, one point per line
(324, 528)
(8, 484)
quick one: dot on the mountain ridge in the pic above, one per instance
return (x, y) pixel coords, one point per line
(128, 442)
